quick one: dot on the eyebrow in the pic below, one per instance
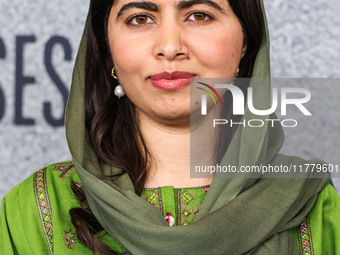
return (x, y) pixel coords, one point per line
(151, 6)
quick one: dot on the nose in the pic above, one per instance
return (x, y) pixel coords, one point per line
(170, 43)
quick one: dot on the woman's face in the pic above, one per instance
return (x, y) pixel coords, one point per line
(151, 39)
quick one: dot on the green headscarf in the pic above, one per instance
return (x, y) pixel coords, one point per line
(237, 216)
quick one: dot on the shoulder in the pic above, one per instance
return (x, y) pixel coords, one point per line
(329, 194)
(325, 217)
(52, 188)
(37, 208)
(320, 230)
(48, 180)
(56, 179)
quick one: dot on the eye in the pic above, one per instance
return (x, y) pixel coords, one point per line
(140, 20)
(199, 17)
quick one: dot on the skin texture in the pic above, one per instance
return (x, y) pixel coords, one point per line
(158, 41)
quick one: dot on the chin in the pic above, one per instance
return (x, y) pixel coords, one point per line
(174, 115)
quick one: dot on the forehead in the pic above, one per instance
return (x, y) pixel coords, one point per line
(122, 6)
(179, 4)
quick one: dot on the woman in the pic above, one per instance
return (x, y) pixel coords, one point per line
(131, 157)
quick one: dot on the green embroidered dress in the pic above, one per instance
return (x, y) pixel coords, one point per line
(35, 215)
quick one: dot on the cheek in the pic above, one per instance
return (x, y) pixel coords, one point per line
(125, 54)
(129, 57)
(221, 52)
(129, 50)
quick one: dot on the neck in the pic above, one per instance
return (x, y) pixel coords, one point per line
(171, 153)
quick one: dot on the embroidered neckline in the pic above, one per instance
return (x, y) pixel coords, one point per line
(186, 208)
(198, 187)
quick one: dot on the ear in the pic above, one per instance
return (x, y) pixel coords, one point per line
(244, 47)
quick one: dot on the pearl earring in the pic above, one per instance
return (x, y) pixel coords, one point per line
(119, 92)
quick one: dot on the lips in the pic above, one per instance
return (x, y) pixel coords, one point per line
(171, 76)
(171, 81)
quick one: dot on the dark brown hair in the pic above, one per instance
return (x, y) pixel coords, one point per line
(112, 123)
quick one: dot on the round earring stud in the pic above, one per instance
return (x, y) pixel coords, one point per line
(119, 92)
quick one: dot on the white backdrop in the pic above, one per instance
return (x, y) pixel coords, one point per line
(38, 45)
